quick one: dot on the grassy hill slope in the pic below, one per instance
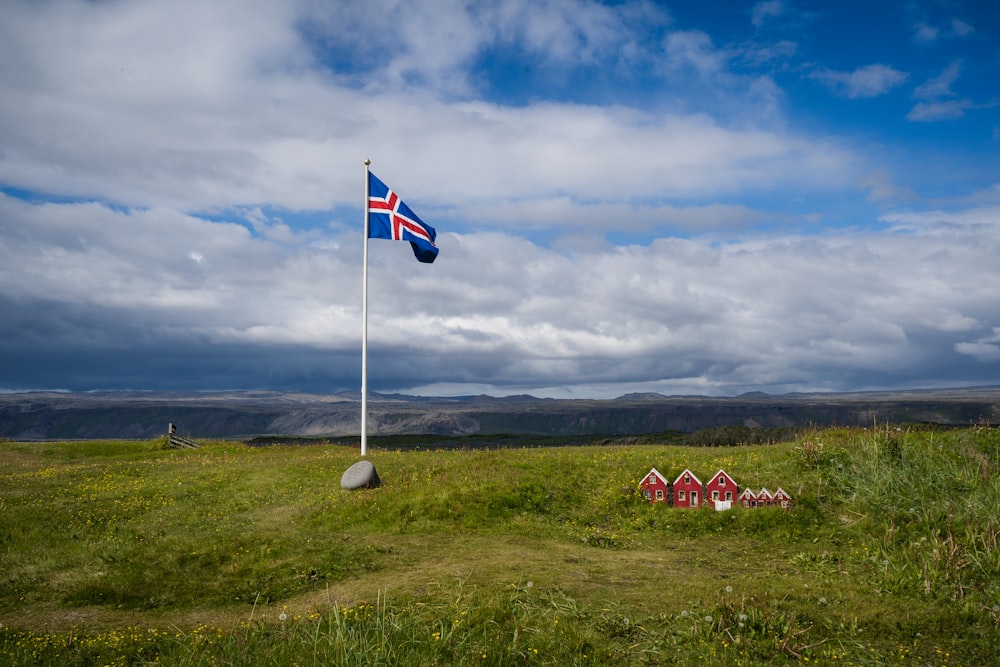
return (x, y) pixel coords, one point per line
(126, 552)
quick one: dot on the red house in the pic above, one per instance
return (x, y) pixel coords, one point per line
(688, 490)
(782, 498)
(722, 490)
(748, 498)
(654, 487)
(764, 498)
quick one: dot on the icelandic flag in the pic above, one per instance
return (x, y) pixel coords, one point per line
(390, 218)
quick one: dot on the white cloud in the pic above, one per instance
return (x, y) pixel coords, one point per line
(939, 86)
(564, 215)
(596, 153)
(925, 34)
(960, 28)
(953, 28)
(933, 107)
(967, 220)
(882, 189)
(986, 352)
(986, 349)
(702, 78)
(760, 54)
(167, 110)
(434, 44)
(249, 113)
(934, 111)
(766, 10)
(867, 81)
(778, 310)
(565, 31)
(694, 49)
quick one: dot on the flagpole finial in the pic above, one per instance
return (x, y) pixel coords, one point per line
(368, 162)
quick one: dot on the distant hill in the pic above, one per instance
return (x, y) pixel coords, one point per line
(643, 396)
(56, 415)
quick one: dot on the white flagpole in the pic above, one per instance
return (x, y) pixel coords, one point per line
(364, 328)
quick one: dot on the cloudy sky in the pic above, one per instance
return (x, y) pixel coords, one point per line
(681, 197)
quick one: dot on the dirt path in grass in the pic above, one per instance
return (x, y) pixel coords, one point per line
(684, 569)
(436, 567)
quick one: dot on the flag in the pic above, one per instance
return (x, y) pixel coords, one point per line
(390, 218)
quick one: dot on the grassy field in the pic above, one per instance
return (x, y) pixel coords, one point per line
(119, 553)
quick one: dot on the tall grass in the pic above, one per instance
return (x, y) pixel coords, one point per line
(930, 504)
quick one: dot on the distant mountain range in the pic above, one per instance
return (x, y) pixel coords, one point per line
(141, 415)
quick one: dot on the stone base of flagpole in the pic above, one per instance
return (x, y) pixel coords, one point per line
(361, 475)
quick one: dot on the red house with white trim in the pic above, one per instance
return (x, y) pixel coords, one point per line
(748, 498)
(721, 489)
(655, 487)
(782, 498)
(764, 498)
(688, 490)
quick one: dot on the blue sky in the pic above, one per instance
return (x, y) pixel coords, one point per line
(681, 197)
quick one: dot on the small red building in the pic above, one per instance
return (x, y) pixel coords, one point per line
(688, 490)
(765, 498)
(748, 498)
(782, 498)
(655, 487)
(722, 490)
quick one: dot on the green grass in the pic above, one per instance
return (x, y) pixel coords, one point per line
(129, 553)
